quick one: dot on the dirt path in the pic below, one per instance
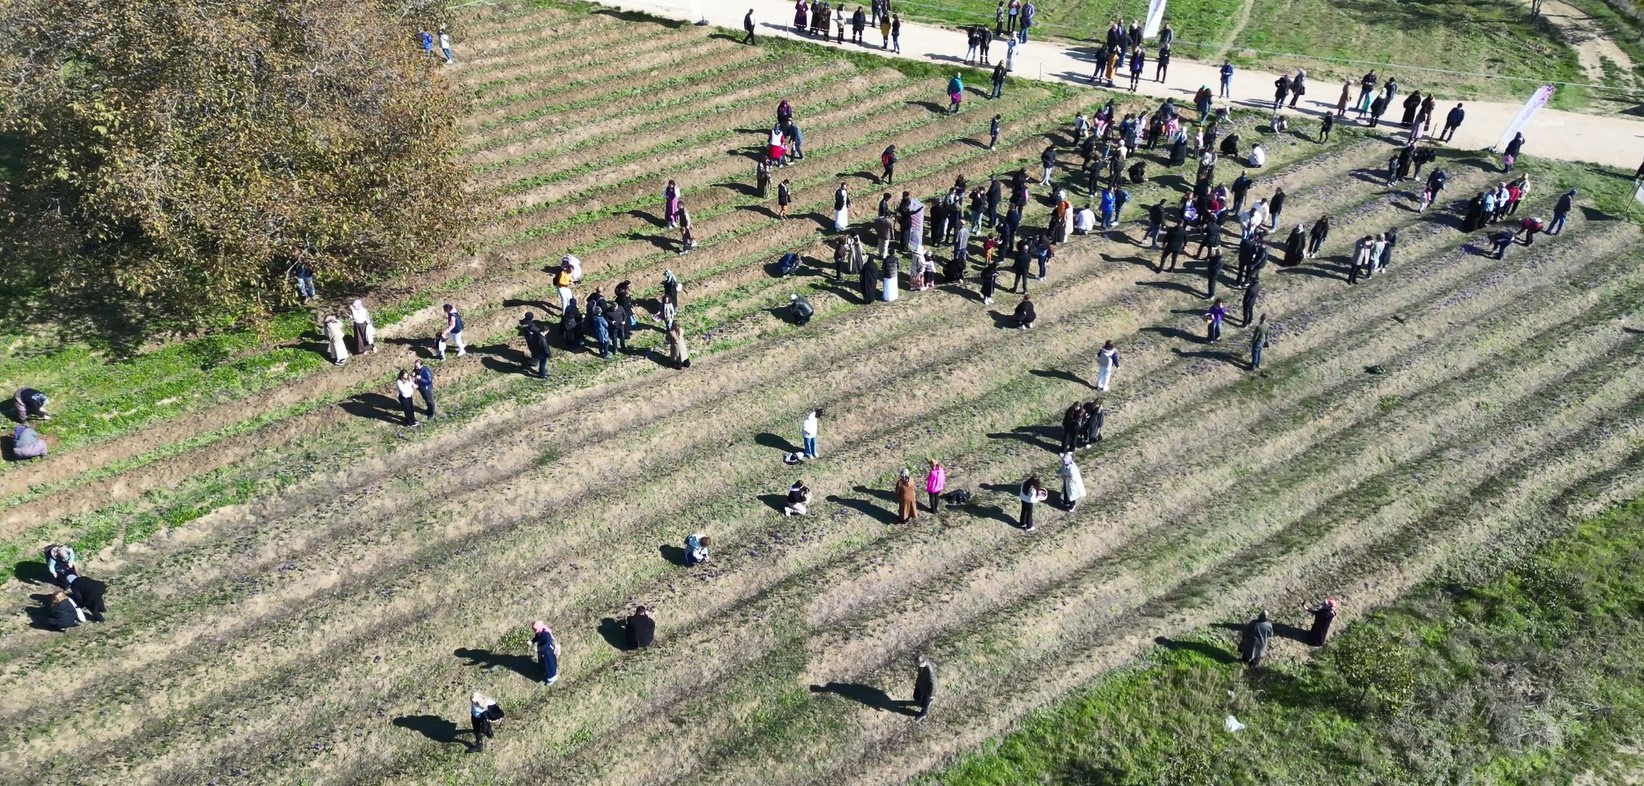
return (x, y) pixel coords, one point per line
(1591, 44)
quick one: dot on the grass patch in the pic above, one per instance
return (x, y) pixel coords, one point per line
(1535, 676)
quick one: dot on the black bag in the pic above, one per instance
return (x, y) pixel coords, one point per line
(959, 497)
(493, 713)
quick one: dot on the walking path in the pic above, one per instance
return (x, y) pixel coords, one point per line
(1569, 136)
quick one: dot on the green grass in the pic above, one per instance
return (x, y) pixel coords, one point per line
(1534, 676)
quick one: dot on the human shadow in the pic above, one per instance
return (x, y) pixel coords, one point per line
(1211, 651)
(776, 502)
(871, 177)
(929, 105)
(1034, 436)
(745, 189)
(974, 142)
(373, 406)
(769, 440)
(435, 728)
(419, 347)
(648, 217)
(868, 696)
(661, 242)
(615, 633)
(1173, 286)
(865, 507)
(38, 612)
(1210, 354)
(502, 358)
(1172, 332)
(542, 307)
(674, 555)
(1330, 272)
(1057, 373)
(1002, 320)
(1293, 633)
(31, 572)
(522, 665)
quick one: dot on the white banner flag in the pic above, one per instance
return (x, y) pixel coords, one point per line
(1638, 193)
(1155, 19)
(1538, 99)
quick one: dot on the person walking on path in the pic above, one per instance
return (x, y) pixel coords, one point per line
(1047, 162)
(670, 204)
(334, 340)
(1032, 493)
(1253, 645)
(1107, 362)
(406, 390)
(924, 686)
(1561, 211)
(687, 234)
(452, 333)
(1323, 616)
(936, 482)
(445, 46)
(1226, 72)
(1213, 320)
(536, 344)
(1073, 485)
(547, 651)
(906, 505)
(1510, 155)
(1275, 206)
(956, 94)
(748, 26)
(888, 160)
(1452, 121)
(1258, 342)
(483, 713)
(807, 432)
(1138, 64)
(896, 33)
(993, 132)
(998, 81)
(425, 384)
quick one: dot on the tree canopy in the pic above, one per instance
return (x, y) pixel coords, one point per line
(174, 158)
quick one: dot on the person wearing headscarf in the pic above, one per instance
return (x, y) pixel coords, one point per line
(365, 333)
(890, 280)
(60, 562)
(841, 208)
(915, 215)
(570, 324)
(547, 651)
(1073, 484)
(1095, 416)
(1295, 247)
(1032, 493)
(868, 281)
(89, 594)
(906, 505)
(1107, 361)
(1253, 644)
(26, 443)
(1322, 617)
(334, 339)
(679, 354)
(482, 713)
(670, 288)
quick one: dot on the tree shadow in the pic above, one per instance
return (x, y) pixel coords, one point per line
(435, 728)
(615, 633)
(866, 695)
(1059, 374)
(1173, 286)
(1211, 651)
(674, 555)
(1033, 436)
(865, 508)
(523, 665)
(373, 406)
(641, 16)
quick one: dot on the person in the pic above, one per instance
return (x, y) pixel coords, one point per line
(1213, 273)
(1295, 246)
(406, 389)
(748, 26)
(807, 432)
(890, 284)
(425, 384)
(1322, 617)
(1325, 128)
(427, 40)
(365, 333)
(1084, 220)
(1452, 121)
(802, 310)
(26, 443)
(30, 404)
(887, 161)
(956, 94)
(334, 340)
(1213, 321)
(1138, 64)
(1317, 235)
(547, 650)
(687, 233)
(859, 22)
(1510, 155)
(696, 549)
(1107, 361)
(1072, 425)
(1500, 240)
(896, 33)
(1031, 494)
(563, 279)
(1025, 315)
(62, 613)
(445, 46)
(1258, 342)
(1384, 258)
(1174, 244)
(885, 27)
(89, 594)
(1161, 63)
(906, 505)
(1226, 72)
(679, 354)
(799, 499)
(1095, 416)
(61, 562)
(483, 713)
(936, 482)
(841, 208)
(1530, 226)
(670, 204)
(993, 133)
(924, 686)
(990, 276)
(1275, 206)
(1253, 645)
(1561, 211)
(536, 344)
(1258, 156)
(1073, 485)
(1047, 162)
(451, 334)
(639, 628)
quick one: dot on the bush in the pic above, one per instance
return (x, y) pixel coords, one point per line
(169, 160)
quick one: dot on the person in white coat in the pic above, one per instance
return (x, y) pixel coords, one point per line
(841, 208)
(1107, 361)
(1073, 485)
(334, 337)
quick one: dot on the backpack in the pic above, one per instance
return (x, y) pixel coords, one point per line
(958, 497)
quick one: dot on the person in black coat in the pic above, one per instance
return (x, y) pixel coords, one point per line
(870, 281)
(1386, 261)
(1095, 416)
(990, 281)
(1071, 420)
(1322, 617)
(1316, 236)
(61, 613)
(89, 595)
(1210, 239)
(1213, 274)
(536, 343)
(640, 629)
(1252, 294)
(924, 686)
(1175, 243)
(1295, 247)
(1475, 214)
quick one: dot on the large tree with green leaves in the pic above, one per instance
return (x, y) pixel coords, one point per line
(173, 158)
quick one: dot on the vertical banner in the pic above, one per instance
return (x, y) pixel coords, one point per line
(1155, 18)
(1538, 99)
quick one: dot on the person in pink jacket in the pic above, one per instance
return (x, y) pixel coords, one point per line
(935, 483)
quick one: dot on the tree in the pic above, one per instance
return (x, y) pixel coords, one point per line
(173, 158)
